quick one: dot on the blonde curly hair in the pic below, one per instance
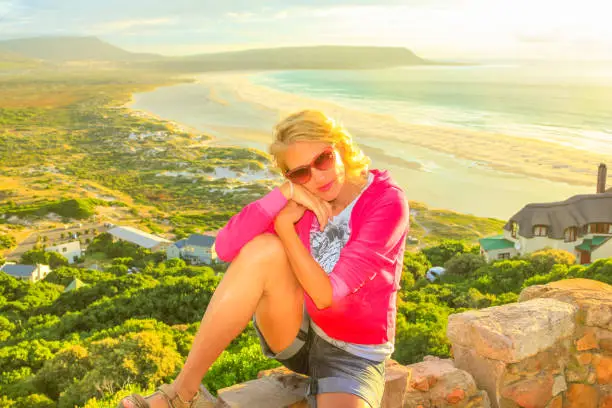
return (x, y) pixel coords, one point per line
(315, 126)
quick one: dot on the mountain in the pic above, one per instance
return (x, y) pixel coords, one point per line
(316, 57)
(60, 49)
(63, 49)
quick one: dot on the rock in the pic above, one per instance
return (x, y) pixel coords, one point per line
(604, 370)
(593, 298)
(559, 385)
(531, 392)
(270, 391)
(581, 396)
(455, 396)
(480, 400)
(512, 332)
(556, 402)
(486, 372)
(587, 342)
(397, 378)
(438, 383)
(584, 358)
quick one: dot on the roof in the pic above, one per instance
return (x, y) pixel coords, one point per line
(558, 216)
(200, 240)
(19, 271)
(136, 236)
(591, 243)
(70, 246)
(75, 284)
(497, 242)
(180, 243)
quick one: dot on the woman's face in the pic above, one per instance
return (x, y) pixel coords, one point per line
(326, 184)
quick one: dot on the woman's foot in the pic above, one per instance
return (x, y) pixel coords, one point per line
(166, 397)
(155, 400)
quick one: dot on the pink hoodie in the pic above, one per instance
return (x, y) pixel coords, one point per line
(370, 264)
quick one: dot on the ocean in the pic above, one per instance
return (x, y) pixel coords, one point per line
(568, 105)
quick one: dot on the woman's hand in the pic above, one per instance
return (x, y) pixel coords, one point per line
(289, 215)
(305, 198)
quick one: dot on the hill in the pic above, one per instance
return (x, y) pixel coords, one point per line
(64, 49)
(318, 57)
(60, 49)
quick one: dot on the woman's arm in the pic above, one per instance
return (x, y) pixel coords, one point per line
(254, 219)
(258, 216)
(366, 253)
(311, 276)
(374, 246)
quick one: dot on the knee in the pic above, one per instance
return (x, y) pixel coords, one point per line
(264, 247)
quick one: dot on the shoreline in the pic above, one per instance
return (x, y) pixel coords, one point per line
(468, 172)
(453, 143)
(533, 158)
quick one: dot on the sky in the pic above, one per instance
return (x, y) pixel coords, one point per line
(435, 29)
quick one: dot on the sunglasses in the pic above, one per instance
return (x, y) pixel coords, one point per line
(302, 174)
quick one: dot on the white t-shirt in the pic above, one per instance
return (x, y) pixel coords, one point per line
(325, 247)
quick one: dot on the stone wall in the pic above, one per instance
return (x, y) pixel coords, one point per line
(552, 349)
(433, 383)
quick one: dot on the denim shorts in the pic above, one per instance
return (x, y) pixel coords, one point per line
(331, 369)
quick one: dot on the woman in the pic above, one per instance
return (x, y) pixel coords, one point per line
(316, 263)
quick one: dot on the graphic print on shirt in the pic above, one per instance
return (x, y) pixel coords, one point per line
(327, 244)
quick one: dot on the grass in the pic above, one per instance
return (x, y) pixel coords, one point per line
(431, 226)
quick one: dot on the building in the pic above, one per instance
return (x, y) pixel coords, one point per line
(71, 250)
(31, 273)
(197, 249)
(581, 225)
(497, 247)
(140, 238)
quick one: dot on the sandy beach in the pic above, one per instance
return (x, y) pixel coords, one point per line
(469, 171)
(507, 153)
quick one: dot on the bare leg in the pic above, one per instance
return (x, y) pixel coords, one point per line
(260, 281)
(338, 399)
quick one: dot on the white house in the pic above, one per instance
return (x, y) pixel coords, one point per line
(197, 249)
(140, 238)
(71, 250)
(581, 225)
(32, 273)
(498, 247)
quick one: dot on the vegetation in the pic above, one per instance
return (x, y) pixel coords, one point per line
(124, 332)
(6, 241)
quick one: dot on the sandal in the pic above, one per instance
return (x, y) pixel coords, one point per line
(202, 399)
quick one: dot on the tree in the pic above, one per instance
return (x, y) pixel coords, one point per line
(39, 256)
(6, 241)
(33, 257)
(464, 264)
(175, 263)
(55, 260)
(147, 358)
(118, 270)
(544, 259)
(438, 255)
(60, 372)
